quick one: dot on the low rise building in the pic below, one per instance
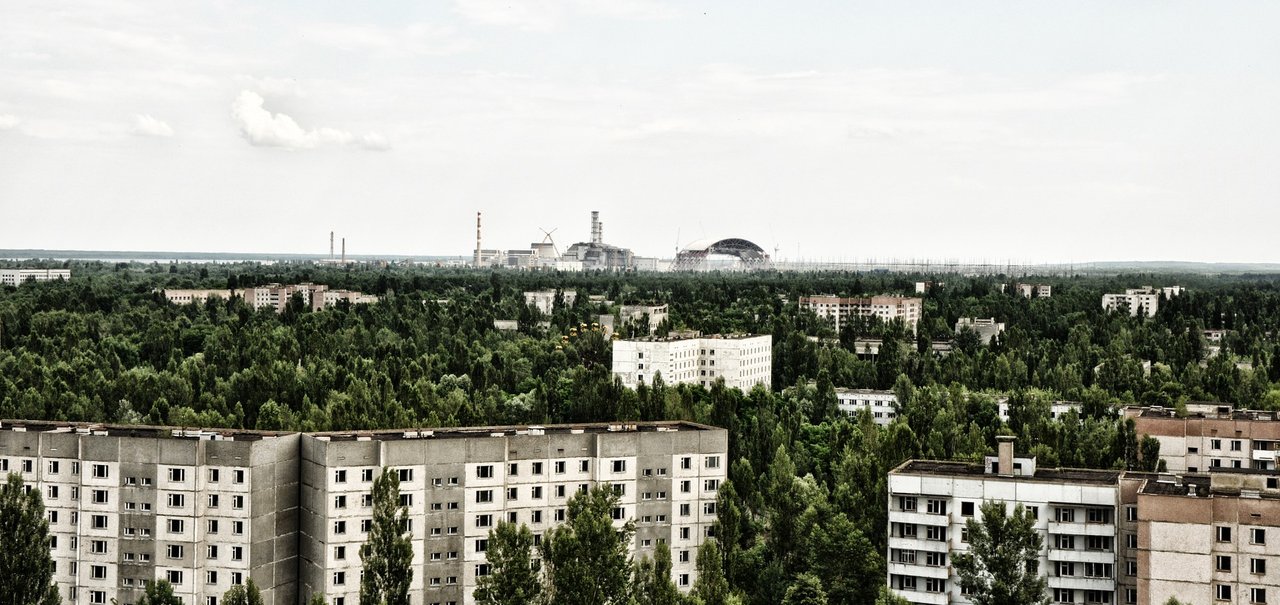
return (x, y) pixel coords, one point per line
(275, 296)
(17, 277)
(545, 300)
(840, 310)
(1145, 300)
(883, 405)
(1034, 290)
(741, 360)
(986, 329)
(636, 313)
(1211, 437)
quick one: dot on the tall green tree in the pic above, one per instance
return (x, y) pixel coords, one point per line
(243, 594)
(513, 578)
(653, 585)
(587, 558)
(26, 569)
(806, 590)
(159, 592)
(387, 555)
(711, 586)
(1002, 565)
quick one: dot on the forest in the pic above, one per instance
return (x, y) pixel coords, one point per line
(805, 500)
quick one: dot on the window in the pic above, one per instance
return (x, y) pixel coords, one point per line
(1065, 515)
(907, 503)
(966, 509)
(237, 502)
(213, 500)
(340, 476)
(366, 475)
(686, 486)
(211, 577)
(339, 578)
(99, 471)
(484, 520)
(934, 559)
(1098, 543)
(339, 552)
(1215, 444)
(619, 513)
(1131, 513)
(406, 499)
(174, 551)
(52, 492)
(536, 492)
(711, 485)
(1223, 563)
(174, 576)
(366, 500)
(1098, 515)
(211, 552)
(537, 468)
(237, 528)
(1258, 566)
(1235, 445)
(175, 526)
(537, 516)
(97, 597)
(1064, 569)
(1097, 570)
(99, 521)
(1222, 592)
(513, 493)
(1257, 595)
(339, 501)
(907, 530)
(1224, 533)
(559, 467)
(584, 466)
(98, 572)
(213, 475)
(1065, 542)
(1131, 540)
(406, 474)
(239, 476)
(212, 526)
(1064, 595)
(513, 469)
(935, 533)
(177, 475)
(484, 471)
(1257, 536)
(559, 516)
(339, 527)
(177, 500)
(934, 584)
(619, 466)
(237, 554)
(53, 467)
(937, 507)
(1130, 568)
(366, 525)
(684, 533)
(711, 462)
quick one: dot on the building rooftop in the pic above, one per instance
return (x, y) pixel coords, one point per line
(943, 468)
(679, 337)
(136, 430)
(1206, 410)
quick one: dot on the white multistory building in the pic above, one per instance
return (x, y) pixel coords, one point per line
(1145, 299)
(883, 405)
(1086, 526)
(545, 300)
(1034, 290)
(274, 296)
(840, 310)
(17, 277)
(636, 313)
(986, 328)
(742, 361)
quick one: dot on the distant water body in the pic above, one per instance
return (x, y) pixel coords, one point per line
(120, 256)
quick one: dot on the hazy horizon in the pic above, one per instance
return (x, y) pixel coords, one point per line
(998, 131)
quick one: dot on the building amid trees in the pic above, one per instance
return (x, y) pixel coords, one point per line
(1145, 300)
(1211, 437)
(206, 510)
(17, 277)
(839, 310)
(741, 360)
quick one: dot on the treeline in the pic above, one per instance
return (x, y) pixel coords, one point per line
(805, 503)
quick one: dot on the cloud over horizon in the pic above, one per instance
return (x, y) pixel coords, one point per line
(146, 125)
(262, 128)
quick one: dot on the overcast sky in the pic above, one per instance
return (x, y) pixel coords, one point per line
(1026, 131)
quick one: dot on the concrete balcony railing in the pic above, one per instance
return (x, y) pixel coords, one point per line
(920, 570)
(1082, 529)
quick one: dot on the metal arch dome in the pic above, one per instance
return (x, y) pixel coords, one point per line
(694, 257)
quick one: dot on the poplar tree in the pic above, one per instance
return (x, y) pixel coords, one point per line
(587, 558)
(1002, 566)
(26, 569)
(243, 594)
(387, 555)
(513, 578)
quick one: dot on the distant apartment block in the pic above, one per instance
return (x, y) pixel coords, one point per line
(1211, 437)
(1145, 299)
(883, 405)
(1057, 409)
(544, 300)
(1210, 538)
(275, 296)
(1034, 290)
(206, 510)
(459, 483)
(1088, 527)
(17, 277)
(743, 361)
(986, 328)
(634, 313)
(840, 310)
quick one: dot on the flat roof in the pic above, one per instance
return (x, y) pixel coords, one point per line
(682, 337)
(171, 432)
(135, 430)
(943, 468)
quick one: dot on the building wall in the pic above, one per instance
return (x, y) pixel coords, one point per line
(839, 310)
(883, 405)
(1202, 443)
(17, 277)
(743, 362)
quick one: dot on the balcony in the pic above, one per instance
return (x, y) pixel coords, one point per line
(919, 569)
(920, 596)
(919, 518)
(1082, 583)
(1082, 529)
(919, 544)
(1264, 455)
(1082, 556)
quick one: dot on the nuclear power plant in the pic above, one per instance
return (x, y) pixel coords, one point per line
(582, 256)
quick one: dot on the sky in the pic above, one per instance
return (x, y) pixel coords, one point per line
(842, 130)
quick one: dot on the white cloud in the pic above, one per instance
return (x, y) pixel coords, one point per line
(8, 121)
(265, 129)
(410, 40)
(148, 126)
(544, 15)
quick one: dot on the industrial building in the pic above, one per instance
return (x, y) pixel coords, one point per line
(209, 509)
(839, 310)
(594, 254)
(741, 360)
(17, 277)
(733, 254)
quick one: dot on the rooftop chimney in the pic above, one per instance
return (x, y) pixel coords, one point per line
(1004, 455)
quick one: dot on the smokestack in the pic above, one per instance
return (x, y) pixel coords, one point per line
(344, 250)
(597, 234)
(1004, 455)
(477, 259)
(330, 245)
